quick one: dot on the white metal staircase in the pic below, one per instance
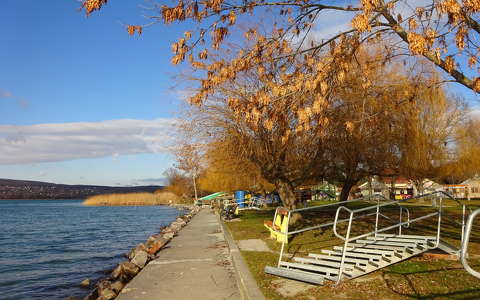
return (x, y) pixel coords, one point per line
(363, 253)
(362, 257)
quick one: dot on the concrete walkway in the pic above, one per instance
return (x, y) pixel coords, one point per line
(196, 265)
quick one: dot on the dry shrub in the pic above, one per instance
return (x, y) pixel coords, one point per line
(132, 199)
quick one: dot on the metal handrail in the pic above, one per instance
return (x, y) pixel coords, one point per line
(348, 239)
(287, 232)
(339, 203)
(377, 213)
(465, 240)
(251, 203)
(401, 224)
(290, 211)
(409, 199)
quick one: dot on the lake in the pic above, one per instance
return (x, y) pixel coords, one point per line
(48, 247)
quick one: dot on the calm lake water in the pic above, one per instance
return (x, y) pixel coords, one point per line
(47, 247)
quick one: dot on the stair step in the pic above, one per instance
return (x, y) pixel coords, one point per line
(339, 258)
(362, 268)
(320, 262)
(295, 274)
(395, 239)
(326, 270)
(358, 261)
(448, 248)
(422, 246)
(361, 257)
(388, 259)
(416, 237)
(385, 247)
(415, 251)
(365, 250)
(387, 243)
(354, 254)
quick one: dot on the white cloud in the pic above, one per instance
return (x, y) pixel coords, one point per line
(330, 23)
(67, 141)
(474, 114)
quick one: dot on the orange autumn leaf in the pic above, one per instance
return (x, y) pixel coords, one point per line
(131, 29)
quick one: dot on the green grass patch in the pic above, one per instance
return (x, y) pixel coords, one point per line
(408, 267)
(251, 224)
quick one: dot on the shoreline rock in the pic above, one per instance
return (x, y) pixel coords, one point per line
(85, 283)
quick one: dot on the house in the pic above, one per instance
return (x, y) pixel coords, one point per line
(399, 187)
(403, 188)
(456, 190)
(472, 187)
(320, 191)
(374, 187)
(430, 186)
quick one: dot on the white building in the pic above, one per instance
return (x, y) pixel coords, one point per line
(472, 187)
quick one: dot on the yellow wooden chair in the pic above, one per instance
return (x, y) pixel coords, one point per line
(279, 226)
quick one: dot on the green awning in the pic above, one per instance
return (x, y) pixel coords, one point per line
(212, 196)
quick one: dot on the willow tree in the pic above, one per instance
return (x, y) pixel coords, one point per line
(225, 170)
(360, 141)
(466, 161)
(426, 136)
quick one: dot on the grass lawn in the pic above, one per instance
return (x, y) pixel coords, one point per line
(416, 278)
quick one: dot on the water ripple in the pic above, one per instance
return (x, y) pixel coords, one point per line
(49, 246)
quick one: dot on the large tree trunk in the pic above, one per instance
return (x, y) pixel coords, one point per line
(347, 187)
(286, 192)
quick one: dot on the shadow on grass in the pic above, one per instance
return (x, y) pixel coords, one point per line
(414, 279)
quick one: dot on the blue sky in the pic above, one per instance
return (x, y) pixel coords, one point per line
(82, 102)
(58, 66)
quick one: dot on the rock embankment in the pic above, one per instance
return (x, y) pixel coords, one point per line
(138, 258)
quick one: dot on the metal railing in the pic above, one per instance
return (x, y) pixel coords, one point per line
(287, 233)
(439, 195)
(251, 203)
(347, 238)
(298, 210)
(465, 240)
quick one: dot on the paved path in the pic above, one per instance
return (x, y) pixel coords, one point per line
(195, 266)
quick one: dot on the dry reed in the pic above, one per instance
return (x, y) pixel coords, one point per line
(132, 199)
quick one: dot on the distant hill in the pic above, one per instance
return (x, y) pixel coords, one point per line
(23, 189)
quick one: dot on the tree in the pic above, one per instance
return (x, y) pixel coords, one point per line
(272, 127)
(427, 136)
(226, 171)
(360, 141)
(466, 160)
(375, 125)
(189, 161)
(444, 32)
(280, 87)
(178, 183)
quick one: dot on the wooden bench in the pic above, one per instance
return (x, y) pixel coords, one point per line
(279, 225)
